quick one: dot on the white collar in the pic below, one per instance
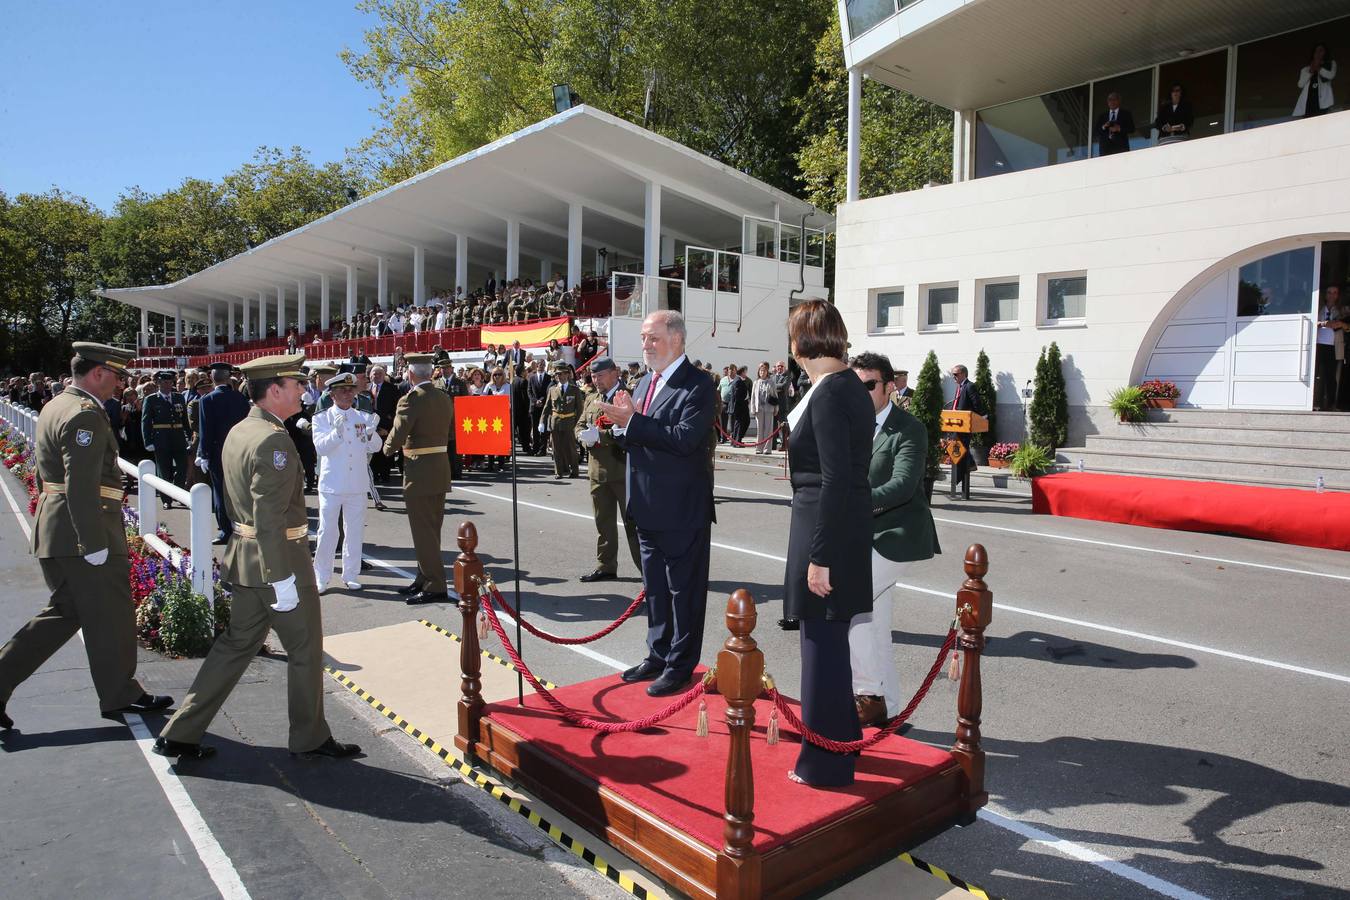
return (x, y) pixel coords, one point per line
(670, 369)
(884, 414)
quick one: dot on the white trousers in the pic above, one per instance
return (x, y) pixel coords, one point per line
(870, 649)
(352, 508)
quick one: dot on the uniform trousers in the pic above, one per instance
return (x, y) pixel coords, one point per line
(171, 464)
(608, 502)
(564, 448)
(223, 524)
(251, 617)
(96, 599)
(350, 509)
(827, 702)
(425, 515)
(870, 648)
(763, 427)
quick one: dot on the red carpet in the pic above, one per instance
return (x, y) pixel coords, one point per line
(676, 775)
(1285, 515)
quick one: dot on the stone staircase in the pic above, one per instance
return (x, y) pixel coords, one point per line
(1278, 449)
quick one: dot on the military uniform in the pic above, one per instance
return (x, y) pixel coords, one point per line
(607, 473)
(194, 415)
(266, 563)
(561, 410)
(422, 425)
(81, 545)
(164, 426)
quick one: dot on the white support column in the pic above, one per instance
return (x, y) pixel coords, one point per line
(963, 132)
(651, 231)
(300, 306)
(351, 293)
(512, 249)
(544, 273)
(574, 244)
(854, 134)
(229, 322)
(419, 276)
(177, 328)
(262, 315)
(281, 311)
(145, 326)
(325, 319)
(382, 282)
(462, 262)
(210, 328)
(248, 318)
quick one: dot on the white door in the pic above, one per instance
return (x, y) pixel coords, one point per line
(1273, 311)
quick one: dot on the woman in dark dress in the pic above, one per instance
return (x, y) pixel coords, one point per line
(1174, 118)
(829, 569)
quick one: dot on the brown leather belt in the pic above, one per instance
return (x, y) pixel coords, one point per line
(423, 451)
(106, 491)
(297, 533)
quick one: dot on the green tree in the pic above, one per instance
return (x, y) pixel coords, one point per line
(926, 405)
(277, 192)
(1049, 403)
(984, 388)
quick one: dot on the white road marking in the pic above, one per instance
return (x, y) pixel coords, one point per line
(1082, 540)
(217, 864)
(1084, 854)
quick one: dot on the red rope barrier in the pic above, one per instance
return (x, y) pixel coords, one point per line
(891, 727)
(553, 638)
(735, 443)
(566, 711)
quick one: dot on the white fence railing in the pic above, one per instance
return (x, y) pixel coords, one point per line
(201, 528)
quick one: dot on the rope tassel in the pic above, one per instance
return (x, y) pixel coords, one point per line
(954, 666)
(482, 625)
(771, 733)
(702, 729)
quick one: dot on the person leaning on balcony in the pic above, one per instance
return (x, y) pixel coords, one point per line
(1114, 127)
(1333, 319)
(1174, 119)
(1314, 84)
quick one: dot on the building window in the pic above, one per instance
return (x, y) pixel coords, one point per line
(1204, 82)
(1065, 297)
(760, 238)
(864, 15)
(1031, 133)
(790, 243)
(999, 302)
(1268, 72)
(1136, 98)
(889, 305)
(941, 305)
(1278, 285)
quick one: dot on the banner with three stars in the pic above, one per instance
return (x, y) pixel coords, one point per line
(483, 425)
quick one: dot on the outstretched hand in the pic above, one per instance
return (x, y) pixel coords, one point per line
(621, 411)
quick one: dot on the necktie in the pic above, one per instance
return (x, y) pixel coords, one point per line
(1113, 115)
(651, 392)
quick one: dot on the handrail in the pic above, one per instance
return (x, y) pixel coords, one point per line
(200, 522)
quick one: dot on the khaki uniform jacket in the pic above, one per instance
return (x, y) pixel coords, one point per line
(265, 493)
(423, 420)
(80, 487)
(608, 460)
(561, 410)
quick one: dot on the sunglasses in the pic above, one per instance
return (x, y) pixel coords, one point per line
(871, 384)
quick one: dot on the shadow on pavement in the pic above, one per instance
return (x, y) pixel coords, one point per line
(1038, 645)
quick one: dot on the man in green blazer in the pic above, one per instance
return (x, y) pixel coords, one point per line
(902, 531)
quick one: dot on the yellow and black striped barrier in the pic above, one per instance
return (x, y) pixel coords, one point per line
(946, 876)
(486, 654)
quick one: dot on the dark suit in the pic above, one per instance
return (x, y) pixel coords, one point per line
(670, 500)
(965, 398)
(1181, 114)
(1108, 141)
(386, 403)
(515, 362)
(220, 411)
(739, 411)
(537, 390)
(520, 412)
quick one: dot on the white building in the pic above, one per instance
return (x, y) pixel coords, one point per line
(1198, 262)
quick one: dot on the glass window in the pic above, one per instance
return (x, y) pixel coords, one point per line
(1268, 72)
(815, 247)
(1278, 285)
(1000, 302)
(866, 14)
(790, 251)
(1136, 100)
(1204, 81)
(942, 305)
(1028, 134)
(1066, 297)
(890, 304)
(698, 268)
(759, 238)
(729, 272)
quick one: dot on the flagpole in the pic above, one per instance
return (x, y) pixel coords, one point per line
(515, 530)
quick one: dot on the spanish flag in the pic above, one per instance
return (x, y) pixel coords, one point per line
(533, 334)
(483, 425)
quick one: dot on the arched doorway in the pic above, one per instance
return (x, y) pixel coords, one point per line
(1242, 334)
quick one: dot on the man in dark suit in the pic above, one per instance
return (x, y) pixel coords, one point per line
(1114, 127)
(515, 361)
(739, 412)
(220, 411)
(966, 398)
(666, 427)
(537, 385)
(520, 412)
(384, 396)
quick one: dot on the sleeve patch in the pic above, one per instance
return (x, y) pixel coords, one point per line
(84, 437)
(279, 459)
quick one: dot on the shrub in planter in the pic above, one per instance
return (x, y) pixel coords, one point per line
(1160, 394)
(1049, 411)
(1128, 403)
(984, 388)
(926, 405)
(999, 454)
(1029, 460)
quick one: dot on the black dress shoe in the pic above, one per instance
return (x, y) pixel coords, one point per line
(219, 541)
(6, 722)
(414, 588)
(598, 575)
(669, 683)
(790, 624)
(147, 703)
(428, 597)
(643, 671)
(381, 507)
(166, 747)
(330, 749)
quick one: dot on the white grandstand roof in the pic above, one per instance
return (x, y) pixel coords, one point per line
(583, 156)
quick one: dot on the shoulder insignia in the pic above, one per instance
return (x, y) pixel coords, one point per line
(88, 404)
(279, 459)
(83, 437)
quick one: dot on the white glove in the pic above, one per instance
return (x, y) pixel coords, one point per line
(302, 424)
(590, 436)
(97, 559)
(287, 598)
(203, 464)
(149, 446)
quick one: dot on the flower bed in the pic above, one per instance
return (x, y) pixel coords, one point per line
(1000, 453)
(1160, 394)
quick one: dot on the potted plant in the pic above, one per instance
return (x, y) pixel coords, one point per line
(1128, 403)
(1160, 394)
(1029, 461)
(999, 454)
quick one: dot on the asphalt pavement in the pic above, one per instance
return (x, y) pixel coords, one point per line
(1164, 713)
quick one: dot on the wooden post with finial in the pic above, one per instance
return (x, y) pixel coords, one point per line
(740, 675)
(469, 576)
(974, 611)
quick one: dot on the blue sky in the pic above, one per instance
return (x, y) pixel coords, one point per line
(98, 97)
